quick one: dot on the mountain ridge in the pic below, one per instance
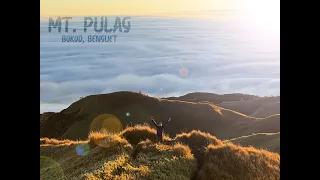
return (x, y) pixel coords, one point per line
(74, 121)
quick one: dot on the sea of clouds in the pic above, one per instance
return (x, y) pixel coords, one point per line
(161, 57)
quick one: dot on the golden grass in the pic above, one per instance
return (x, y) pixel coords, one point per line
(105, 139)
(148, 166)
(76, 165)
(177, 149)
(182, 150)
(197, 138)
(139, 133)
(228, 162)
(111, 156)
(49, 141)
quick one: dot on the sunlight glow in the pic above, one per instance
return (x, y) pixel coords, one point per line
(264, 14)
(127, 7)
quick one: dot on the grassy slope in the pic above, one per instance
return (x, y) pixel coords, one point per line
(74, 122)
(268, 141)
(250, 105)
(43, 118)
(231, 162)
(269, 124)
(213, 98)
(111, 156)
(257, 107)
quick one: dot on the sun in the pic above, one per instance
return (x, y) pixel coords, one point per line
(264, 14)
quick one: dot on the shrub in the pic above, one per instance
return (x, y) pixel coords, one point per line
(181, 150)
(178, 150)
(235, 162)
(197, 139)
(107, 140)
(139, 133)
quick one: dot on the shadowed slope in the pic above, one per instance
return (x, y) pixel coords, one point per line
(250, 105)
(43, 117)
(269, 124)
(258, 107)
(268, 141)
(212, 98)
(74, 122)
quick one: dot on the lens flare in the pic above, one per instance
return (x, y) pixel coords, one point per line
(106, 122)
(50, 169)
(82, 149)
(134, 113)
(183, 72)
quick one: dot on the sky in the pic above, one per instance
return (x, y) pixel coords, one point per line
(170, 53)
(128, 7)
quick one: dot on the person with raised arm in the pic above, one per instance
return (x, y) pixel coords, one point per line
(160, 128)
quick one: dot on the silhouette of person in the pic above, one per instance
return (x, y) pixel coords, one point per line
(160, 128)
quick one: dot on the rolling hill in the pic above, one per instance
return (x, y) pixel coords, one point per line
(268, 141)
(212, 97)
(43, 118)
(136, 108)
(257, 107)
(249, 105)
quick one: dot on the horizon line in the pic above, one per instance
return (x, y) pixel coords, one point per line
(149, 14)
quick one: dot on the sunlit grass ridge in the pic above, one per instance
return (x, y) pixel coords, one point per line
(112, 156)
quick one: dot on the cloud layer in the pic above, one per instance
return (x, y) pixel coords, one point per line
(160, 57)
